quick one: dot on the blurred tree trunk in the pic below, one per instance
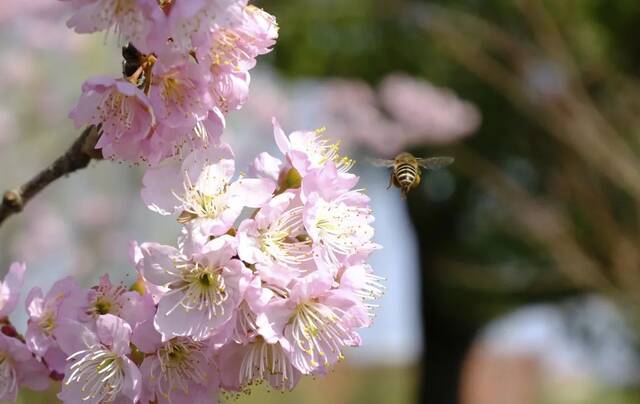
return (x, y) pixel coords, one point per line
(447, 334)
(445, 349)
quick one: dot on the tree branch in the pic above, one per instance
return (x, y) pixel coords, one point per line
(78, 156)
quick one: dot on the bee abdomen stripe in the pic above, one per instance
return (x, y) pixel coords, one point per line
(406, 168)
(406, 173)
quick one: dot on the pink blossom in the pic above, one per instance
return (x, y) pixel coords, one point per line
(430, 113)
(19, 368)
(363, 283)
(188, 23)
(200, 188)
(167, 141)
(128, 19)
(307, 151)
(179, 95)
(231, 49)
(235, 48)
(337, 219)
(250, 357)
(267, 166)
(46, 313)
(125, 114)
(201, 291)
(255, 362)
(276, 240)
(230, 90)
(179, 371)
(353, 110)
(317, 320)
(402, 112)
(98, 369)
(256, 297)
(107, 298)
(10, 288)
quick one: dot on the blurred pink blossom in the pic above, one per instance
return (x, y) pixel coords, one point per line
(110, 209)
(17, 67)
(428, 113)
(43, 233)
(11, 9)
(354, 115)
(268, 99)
(403, 111)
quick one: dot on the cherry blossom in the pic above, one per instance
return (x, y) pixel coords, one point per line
(268, 280)
(46, 313)
(201, 291)
(98, 368)
(201, 189)
(10, 288)
(18, 367)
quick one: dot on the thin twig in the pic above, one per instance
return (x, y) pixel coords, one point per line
(78, 156)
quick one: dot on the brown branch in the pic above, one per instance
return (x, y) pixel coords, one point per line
(78, 156)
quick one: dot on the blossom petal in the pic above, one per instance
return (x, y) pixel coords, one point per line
(158, 265)
(252, 192)
(114, 332)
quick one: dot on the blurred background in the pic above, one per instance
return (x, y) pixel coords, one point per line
(513, 277)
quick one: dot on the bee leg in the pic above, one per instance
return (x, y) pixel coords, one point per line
(390, 179)
(394, 179)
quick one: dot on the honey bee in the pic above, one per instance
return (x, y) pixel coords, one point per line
(131, 60)
(406, 169)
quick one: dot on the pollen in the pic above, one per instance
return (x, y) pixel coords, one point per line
(202, 289)
(285, 239)
(207, 198)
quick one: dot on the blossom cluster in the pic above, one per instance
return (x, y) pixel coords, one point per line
(186, 66)
(238, 301)
(259, 295)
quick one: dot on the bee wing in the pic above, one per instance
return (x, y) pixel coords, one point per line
(433, 163)
(381, 162)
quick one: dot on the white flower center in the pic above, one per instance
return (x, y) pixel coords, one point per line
(285, 239)
(47, 322)
(116, 113)
(124, 16)
(225, 51)
(200, 132)
(264, 361)
(317, 331)
(342, 228)
(202, 289)
(321, 150)
(47, 319)
(176, 92)
(245, 327)
(106, 300)
(207, 198)
(99, 371)
(178, 363)
(8, 376)
(372, 289)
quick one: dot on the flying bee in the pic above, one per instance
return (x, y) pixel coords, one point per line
(406, 169)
